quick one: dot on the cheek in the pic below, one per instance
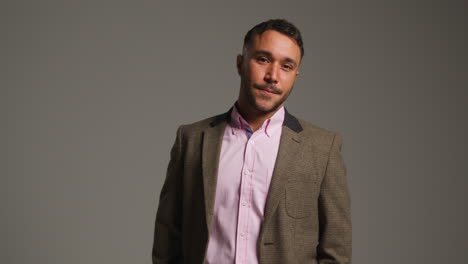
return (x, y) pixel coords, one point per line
(288, 82)
(256, 72)
(290, 79)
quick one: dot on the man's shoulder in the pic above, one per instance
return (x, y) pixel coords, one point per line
(203, 124)
(318, 135)
(309, 127)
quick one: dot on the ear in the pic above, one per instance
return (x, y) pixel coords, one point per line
(239, 62)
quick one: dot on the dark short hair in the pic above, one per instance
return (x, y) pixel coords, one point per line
(281, 25)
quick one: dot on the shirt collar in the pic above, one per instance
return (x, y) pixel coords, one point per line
(268, 127)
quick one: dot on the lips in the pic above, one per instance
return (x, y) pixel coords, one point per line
(268, 91)
(267, 88)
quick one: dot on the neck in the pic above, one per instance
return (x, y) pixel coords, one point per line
(254, 117)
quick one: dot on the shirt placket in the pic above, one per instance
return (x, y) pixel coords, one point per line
(243, 235)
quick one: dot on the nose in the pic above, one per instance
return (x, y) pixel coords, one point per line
(271, 75)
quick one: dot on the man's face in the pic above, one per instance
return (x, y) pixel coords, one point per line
(268, 70)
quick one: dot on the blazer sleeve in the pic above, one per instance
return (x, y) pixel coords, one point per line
(334, 245)
(167, 245)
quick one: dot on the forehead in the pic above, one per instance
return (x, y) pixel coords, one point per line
(279, 45)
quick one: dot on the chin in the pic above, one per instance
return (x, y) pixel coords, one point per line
(266, 108)
(260, 102)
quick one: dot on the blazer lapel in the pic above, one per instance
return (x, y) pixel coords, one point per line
(212, 141)
(289, 155)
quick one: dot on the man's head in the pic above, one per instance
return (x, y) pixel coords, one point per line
(269, 65)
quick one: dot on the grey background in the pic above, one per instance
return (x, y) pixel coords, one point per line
(92, 94)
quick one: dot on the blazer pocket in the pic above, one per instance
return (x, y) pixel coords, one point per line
(300, 198)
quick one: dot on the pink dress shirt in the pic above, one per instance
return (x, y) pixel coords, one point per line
(244, 174)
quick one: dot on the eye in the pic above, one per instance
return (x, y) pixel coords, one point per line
(287, 67)
(262, 60)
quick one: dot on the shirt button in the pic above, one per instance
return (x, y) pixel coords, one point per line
(242, 234)
(244, 203)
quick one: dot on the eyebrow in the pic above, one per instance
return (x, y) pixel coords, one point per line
(267, 53)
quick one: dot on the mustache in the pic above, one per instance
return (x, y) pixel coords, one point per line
(268, 87)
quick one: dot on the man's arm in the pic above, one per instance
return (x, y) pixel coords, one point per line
(167, 245)
(334, 211)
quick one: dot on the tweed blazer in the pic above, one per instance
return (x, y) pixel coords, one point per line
(307, 216)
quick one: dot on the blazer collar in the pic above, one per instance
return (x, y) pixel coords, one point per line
(289, 121)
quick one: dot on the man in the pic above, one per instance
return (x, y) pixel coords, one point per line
(255, 184)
